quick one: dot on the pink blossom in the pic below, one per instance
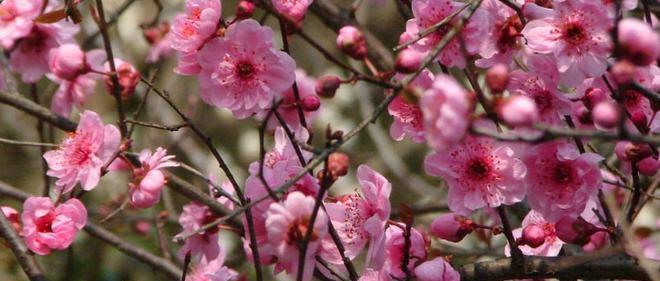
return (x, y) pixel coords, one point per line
(293, 9)
(351, 41)
(408, 118)
(562, 180)
(576, 33)
(127, 75)
(242, 71)
(287, 224)
(479, 173)
(497, 78)
(550, 245)
(212, 271)
(375, 275)
(76, 80)
(394, 250)
(518, 111)
(196, 25)
(639, 43)
(81, 156)
(437, 269)
(160, 39)
(502, 37)
(187, 64)
(204, 244)
(16, 19)
(408, 61)
(30, 56)
(47, 227)
(359, 219)
(148, 180)
(446, 108)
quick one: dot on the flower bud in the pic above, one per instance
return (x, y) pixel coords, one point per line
(533, 235)
(327, 85)
(593, 96)
(518, 111)
(635, 152)
(155, 34)
(497, 78)
(623, 72)
(244, 9)
(648, 166)
(583, 115)
(605, 115)
(338, 164)
(141, 227)
(408, 61)
(310, 103)
(575, 231)
(641, 121)
(451, 227)
(12, 217)
(128, 77)
(638, 41)
(67, 61)
(351, 41)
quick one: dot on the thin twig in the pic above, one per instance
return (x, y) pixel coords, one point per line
(27, 143)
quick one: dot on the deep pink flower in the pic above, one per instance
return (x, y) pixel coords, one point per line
(351, 41)
(16, 19)
(437, 269)
(148, 180)
(451, 227)
(502, 39)
(81, 156)
(408, 118)
(549, 246)
(479, 173)
(204, 244)
(576, 33)
(287, 224)
(242, 71)
(293, 9)
(562, 179)
(446, 108)
(394, 250)
(30, 56)
(47, 227)
(196, 25)
(359, 219)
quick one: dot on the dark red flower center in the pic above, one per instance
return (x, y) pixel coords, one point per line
(478, 168)
(574, 33)
(245, 70)
(45, 223)
(298, 230)
(563, 173)
(509, 32)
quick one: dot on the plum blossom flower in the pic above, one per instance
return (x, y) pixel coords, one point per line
(196, 25)
(81, 156)
(360, 219)
(437, 269)
(446, 108)
(242, 71)
(212, 271)
(16, 19)
(503, 38)
(375, 275)
(551, 244)
(293, 9)
(562, 180)
(48, 227)
(394, 250)
(127, 75)
(408, 118)
(204, 244)
(479, 173)
(72, 69)
(148, 180)
(576, 33)
(287, 224)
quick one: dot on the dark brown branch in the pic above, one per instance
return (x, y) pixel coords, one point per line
(26, 143)
(172, 128)
(15, 242)
(17, 101)
(113, 19)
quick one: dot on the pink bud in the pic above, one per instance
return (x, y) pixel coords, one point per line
(497, 78)
(583, 115)
(640, 120)
(245, 9)
(518, 111)
(575, 231)
(128, 77)
(338, 164)
(351, 41)
(12, 216)
(628, 151)
(648, 166)
(533, 235)
(154, 34)
(141, 227)
(408, 61)
(593, 96)
(327, 85)
(623, 72)
(451, 227)
(67, 61)
(606, 115)
(311, 103)
(639, 43)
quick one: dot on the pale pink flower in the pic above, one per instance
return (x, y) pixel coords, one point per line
(204, 244)
(212, 271)
(81, 156)
(437, 269)
(562, 179)
(293, 9)
(16, 19)
(148, 180)
(287, 224)
(551, 244)
(408, 118)
(576, 33)
(47, 227)
(196, 25)
(72, 69)
(479, 173)
(30, 56)
(394, 250)
(502, 39)
(288, 109)
(446, 108)
(359, 219)
(242, 71)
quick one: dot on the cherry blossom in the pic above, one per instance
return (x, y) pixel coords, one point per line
(437, 269)
(445, 107)
(148, 180)
(408, 118)
(394, 250)
(48, 227)
(204, 244)
(293, 9)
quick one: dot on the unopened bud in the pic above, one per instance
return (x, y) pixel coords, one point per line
(497, 78)
(351, 41)
(244, 9)
(326, 86)
(638, 42)
(518, 111)
(338, 164)
(451, 227)
(311, 103)
(533, 235)
(408, 61)
(606, 115)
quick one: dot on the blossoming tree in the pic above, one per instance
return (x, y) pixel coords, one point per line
(523, 139)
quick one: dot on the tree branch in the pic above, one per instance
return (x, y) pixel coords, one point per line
(17, 101)
(17, 246)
